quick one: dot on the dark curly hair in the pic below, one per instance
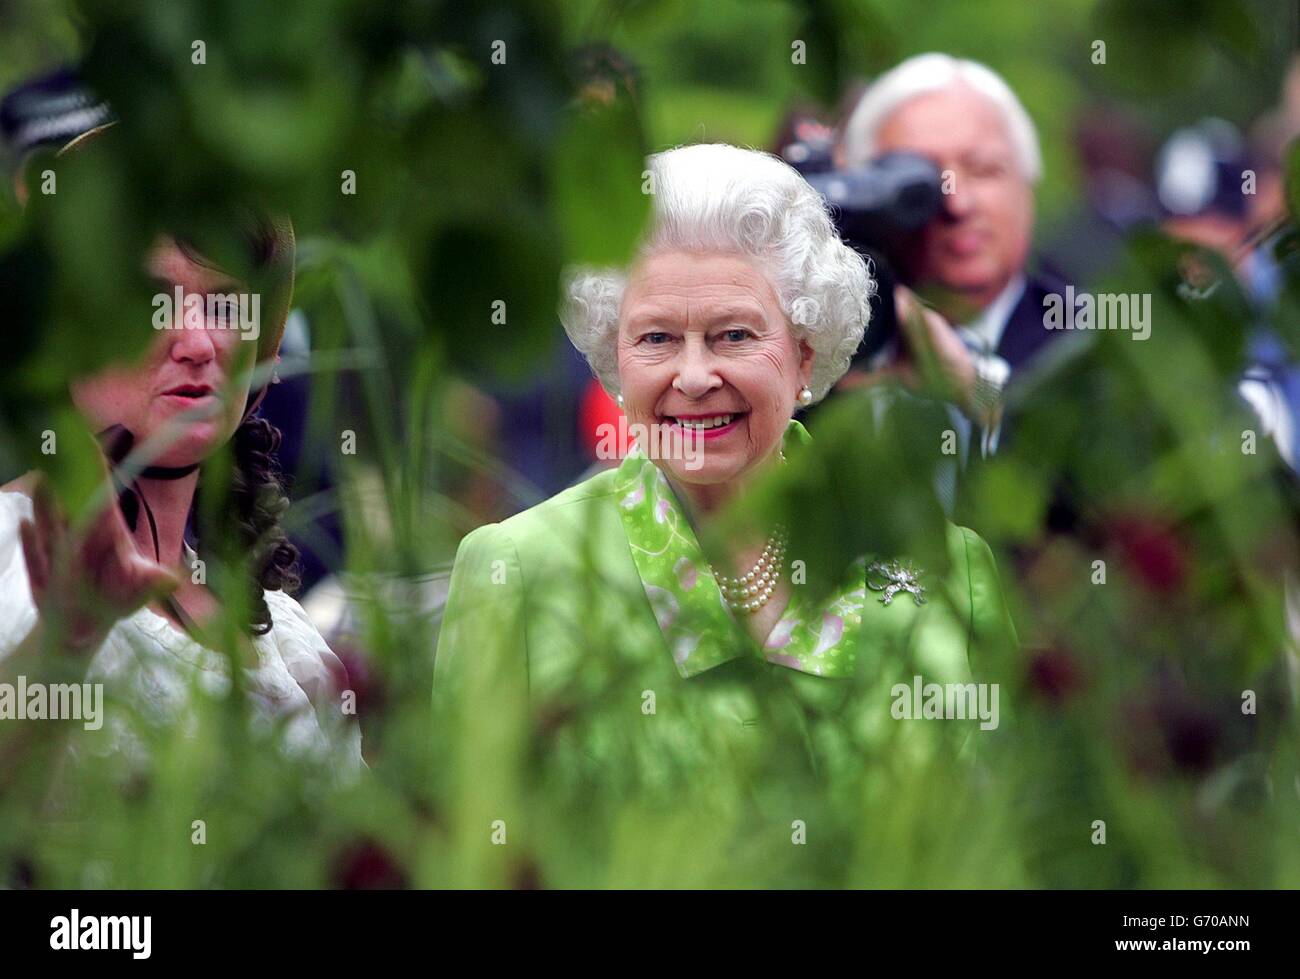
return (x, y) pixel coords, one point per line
(259, 501)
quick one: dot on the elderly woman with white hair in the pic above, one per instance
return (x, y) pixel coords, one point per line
(742, 307)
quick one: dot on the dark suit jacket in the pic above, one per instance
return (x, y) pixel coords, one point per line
(1025, 335)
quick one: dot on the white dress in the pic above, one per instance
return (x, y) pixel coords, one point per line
(154, 666)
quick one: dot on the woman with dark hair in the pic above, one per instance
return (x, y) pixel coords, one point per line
(129, 591)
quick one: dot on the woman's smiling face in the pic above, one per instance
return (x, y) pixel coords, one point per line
(705, 352)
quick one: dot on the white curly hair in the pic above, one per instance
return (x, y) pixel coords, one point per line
(935, 72)
(715, 197)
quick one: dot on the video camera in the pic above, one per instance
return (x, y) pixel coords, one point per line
(874, 208)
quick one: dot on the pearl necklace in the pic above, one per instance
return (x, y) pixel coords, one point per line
(751, 591)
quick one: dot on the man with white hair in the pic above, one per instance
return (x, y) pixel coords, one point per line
(969, 260)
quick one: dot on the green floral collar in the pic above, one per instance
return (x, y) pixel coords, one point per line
(699, 628)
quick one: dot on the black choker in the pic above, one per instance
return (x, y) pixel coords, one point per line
(168, 472)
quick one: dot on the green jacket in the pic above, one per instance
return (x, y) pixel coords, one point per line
(591, 623)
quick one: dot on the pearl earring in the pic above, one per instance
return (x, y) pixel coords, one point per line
(619, 399)
(805, 396)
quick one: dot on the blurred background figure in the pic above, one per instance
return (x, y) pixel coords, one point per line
(1223, 194)
(970, 262)
(1115, 153)
(1200, 176)
(805, 140)
(543, 439)
(46, 113)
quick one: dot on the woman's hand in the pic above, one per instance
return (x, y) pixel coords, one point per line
(86, 582)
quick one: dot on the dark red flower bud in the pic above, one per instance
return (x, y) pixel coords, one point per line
(1153, 550)
(527, 877)
(1054, 675)
(367, 866)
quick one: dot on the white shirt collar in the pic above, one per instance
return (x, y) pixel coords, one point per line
(985, 331)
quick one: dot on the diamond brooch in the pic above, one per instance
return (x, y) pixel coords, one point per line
(892, 577)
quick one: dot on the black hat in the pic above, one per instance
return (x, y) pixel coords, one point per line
(49, 112)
